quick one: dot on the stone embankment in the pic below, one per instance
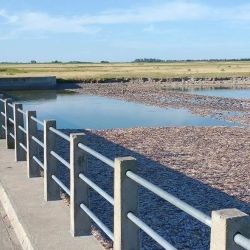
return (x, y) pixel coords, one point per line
(224, 81)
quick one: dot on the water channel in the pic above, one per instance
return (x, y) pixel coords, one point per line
(77, 111)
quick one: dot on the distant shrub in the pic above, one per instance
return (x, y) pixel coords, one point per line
(148, 60)
(56, 61)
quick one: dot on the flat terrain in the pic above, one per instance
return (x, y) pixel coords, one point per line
(128, 70)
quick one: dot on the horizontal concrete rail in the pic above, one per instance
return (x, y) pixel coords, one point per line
(230, 228)
(38, 225)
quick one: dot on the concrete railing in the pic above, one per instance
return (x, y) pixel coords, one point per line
(230, 228)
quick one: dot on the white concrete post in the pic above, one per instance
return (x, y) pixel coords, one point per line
(79, 190)
(2, 119)
(20, 154)
(126, 233)
(32, 147)
(8, 124)
(225, 224)
(51, 189)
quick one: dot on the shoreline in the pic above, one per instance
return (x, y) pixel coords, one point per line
(163, 95)
(207, 167)
(229, 81)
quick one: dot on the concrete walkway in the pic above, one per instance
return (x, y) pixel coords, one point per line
(38, 224)
(8, 239)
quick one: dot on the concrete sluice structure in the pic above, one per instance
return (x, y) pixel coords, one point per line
(24, 83)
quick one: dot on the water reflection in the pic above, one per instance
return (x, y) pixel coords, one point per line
(227, 93)
(33, 95)
(84, 111)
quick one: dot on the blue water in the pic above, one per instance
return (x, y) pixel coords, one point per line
(228, 93)
(95, 112)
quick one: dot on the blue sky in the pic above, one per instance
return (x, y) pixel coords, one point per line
(123, 30)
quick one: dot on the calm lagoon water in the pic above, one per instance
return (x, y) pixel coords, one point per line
(95, 112)
(229, 93)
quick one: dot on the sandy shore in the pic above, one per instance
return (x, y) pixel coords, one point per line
(162, 94)
(207, 167)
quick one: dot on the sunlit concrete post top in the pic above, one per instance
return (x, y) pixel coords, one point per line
(226, 224)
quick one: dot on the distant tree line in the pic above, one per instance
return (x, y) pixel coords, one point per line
(139, 60)
(51, 62)
(70, 62)
(155, 60)
(148, 60)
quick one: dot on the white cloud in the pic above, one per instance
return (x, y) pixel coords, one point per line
(154, 29)
(9, 18)
(171, 11)
(33, 21)
(38, 22)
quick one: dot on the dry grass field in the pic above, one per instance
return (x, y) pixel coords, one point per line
(128, 70)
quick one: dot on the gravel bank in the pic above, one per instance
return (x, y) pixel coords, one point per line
(162, 94)
(207, 167)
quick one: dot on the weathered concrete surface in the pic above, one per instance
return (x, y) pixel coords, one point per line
(51, 189)
(126, 233)
(38, 224)
(8, 239)
(19, 83)
(80, 223)
(226, 223)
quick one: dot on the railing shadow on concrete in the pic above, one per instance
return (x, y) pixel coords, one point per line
(131, 208)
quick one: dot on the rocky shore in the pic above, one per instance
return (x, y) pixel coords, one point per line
(165, 94)
(173, 81)
(207, 167)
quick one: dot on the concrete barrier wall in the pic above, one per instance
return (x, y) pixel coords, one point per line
(19, 83)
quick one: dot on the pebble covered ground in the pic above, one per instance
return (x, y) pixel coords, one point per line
(208, 167)
(162, 94)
